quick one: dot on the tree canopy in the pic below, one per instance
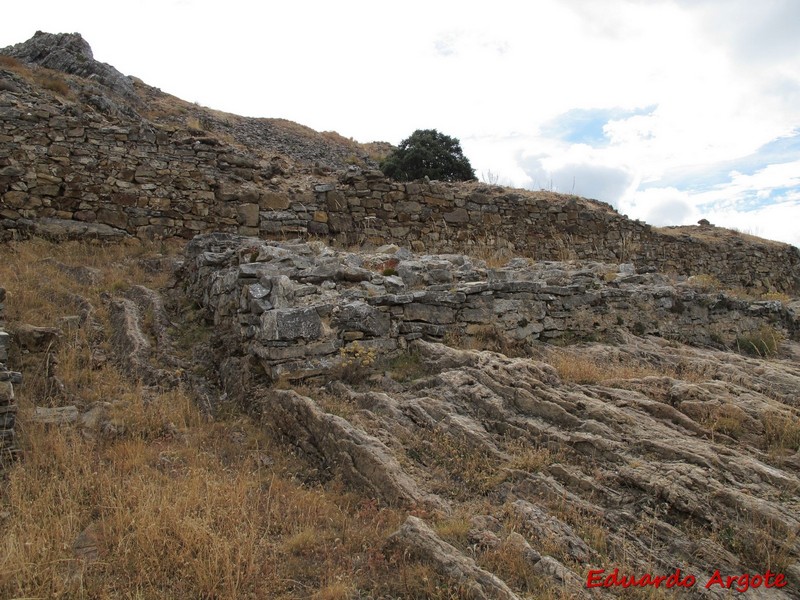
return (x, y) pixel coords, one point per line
(426, 152)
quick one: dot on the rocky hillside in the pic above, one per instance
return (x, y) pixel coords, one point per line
(71, 73)
(615, 446)
(346, 387)
(87, 151)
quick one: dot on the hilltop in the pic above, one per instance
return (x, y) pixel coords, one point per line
(246, 364)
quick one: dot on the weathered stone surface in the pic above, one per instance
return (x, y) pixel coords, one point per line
(274, 201)
(60, 229)
(419, 540)
(290, 324)
(359, 316)
(361, 459)
(248, 215)
(62, 415)
(36, 339)
(429, 313)
(519, 303)
(459, 215)
(131, 336)
(70, 53)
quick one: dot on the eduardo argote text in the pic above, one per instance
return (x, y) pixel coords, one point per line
(740, 583)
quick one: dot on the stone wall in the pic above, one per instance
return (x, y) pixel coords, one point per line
(296, 308)
(66, 170)
(8, 408)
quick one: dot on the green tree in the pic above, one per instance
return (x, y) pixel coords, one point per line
(428, 153)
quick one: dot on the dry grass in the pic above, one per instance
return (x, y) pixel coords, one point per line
(715, 235)
(49, 79)
(54, 82)
(728, 419)
(578, 368)
(466, 468)
(184, 508)
(781, 432)
(763, 544)
(487, 337)
(408, 365)
(156, 500)
(11, 63)
(705, 283)
(765, 342)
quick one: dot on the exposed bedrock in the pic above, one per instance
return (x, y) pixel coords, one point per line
(642, 441)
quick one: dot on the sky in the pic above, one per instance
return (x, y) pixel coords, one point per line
(669, 110)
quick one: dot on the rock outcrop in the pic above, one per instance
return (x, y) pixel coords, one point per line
(70, 53)
(472, 581)
(652, 444)
(297, 308)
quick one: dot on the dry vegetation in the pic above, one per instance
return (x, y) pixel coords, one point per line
(54, 81)
(715, 234)
(579, 368)
(162, 501)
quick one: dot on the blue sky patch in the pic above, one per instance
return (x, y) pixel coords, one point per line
(699, 178)
(585, 126)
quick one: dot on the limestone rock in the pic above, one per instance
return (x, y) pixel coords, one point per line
(361, 459)
(70, 53)
(415, 537)
(36, 339)
(64, 229)
(62, 415)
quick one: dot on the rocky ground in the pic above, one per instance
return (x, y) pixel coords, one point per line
(519, 467)
(506, 429)
(639, 453)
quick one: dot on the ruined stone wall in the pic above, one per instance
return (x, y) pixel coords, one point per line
(146, 181)
(8, 408)
(294, 307)
(59, 165)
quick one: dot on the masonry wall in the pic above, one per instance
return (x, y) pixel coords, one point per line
(59, 163)
(295, 310)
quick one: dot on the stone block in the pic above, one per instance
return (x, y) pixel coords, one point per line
(273, 201)
(359, 316)
(35, 339)
(291, 324)
(115, 218)
(460, 215)
(248, 215)
(429, 313)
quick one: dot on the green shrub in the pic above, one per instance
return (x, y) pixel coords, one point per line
(428, 153)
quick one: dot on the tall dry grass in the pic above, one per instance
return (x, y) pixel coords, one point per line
(156, 500)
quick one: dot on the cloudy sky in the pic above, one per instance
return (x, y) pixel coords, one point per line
(671, 110)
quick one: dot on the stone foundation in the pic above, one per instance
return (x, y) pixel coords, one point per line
(302, 310)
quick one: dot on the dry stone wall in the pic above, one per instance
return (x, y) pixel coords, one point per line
(8, 408)
(298, 309)
(66, 171)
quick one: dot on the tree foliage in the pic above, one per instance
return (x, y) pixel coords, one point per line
(428, 153)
